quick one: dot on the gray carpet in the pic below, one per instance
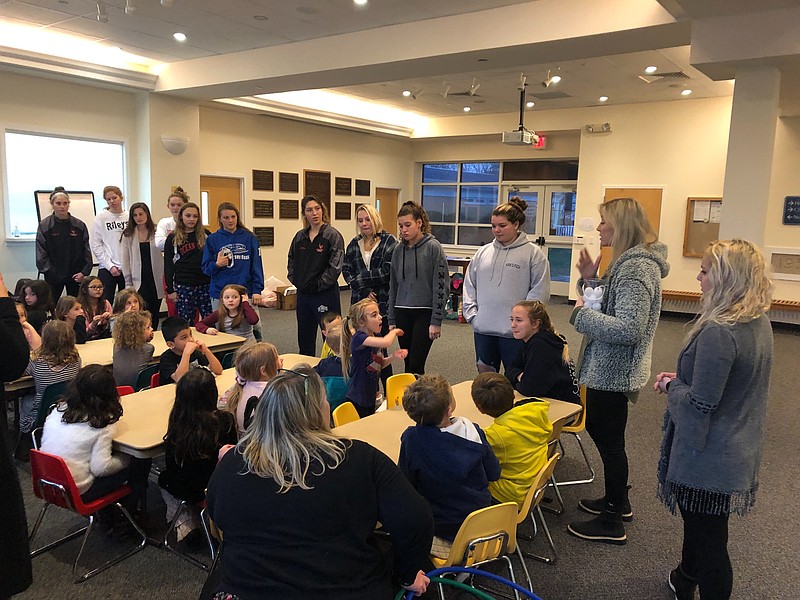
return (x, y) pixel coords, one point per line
(763, 546)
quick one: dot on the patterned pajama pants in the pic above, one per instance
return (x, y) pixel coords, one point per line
(192, 298)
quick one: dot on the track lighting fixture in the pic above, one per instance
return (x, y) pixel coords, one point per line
(598, 128)
(551, 79)
(130, 7)
(166, 3)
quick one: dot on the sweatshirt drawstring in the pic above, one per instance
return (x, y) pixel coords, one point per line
(416, 264)
(404, 262)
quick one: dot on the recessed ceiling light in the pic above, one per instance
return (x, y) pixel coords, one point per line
(603, 99)
(530, 104)
(406, 93)
(686, 92)
(261, 17)
(556, 78)
(467, 109)
(180, 37)
(651, 69)
(360, 2)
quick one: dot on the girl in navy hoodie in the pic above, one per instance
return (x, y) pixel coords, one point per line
(232, 255)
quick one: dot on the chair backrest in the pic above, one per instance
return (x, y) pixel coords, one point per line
(345, 413)
(555, 435)
(335, 389)
(227, 360)
(538, 486)
(49, 399)
(155, 380)
(143, 378)
(484, 535)
(53, 482)
(395, 386)
(124, 390)
(580, 424)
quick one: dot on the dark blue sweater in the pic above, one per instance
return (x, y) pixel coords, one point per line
(451, 472)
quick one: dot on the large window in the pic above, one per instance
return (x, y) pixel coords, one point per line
(40, 162)
(459, 199)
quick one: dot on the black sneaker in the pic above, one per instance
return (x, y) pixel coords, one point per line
(604, 529)
(596, 507)
(683, 586)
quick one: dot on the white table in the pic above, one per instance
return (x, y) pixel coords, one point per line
(140, 431)
(101, 352)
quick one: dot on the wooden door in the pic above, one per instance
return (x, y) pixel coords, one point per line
(386, 200)
(215, 191)
(649, 198)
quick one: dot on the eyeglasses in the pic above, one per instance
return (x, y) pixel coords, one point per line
(96, 287)
(299, 374)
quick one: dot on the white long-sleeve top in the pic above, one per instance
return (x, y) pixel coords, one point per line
(85, 449)
(104, 238)
(164, 227)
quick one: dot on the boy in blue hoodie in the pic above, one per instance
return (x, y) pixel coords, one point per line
(446, 458)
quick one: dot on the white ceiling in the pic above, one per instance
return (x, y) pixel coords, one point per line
(225, 27)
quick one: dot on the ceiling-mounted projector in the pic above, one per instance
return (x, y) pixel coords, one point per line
(520, 138)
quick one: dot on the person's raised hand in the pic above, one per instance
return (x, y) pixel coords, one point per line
(586, 265)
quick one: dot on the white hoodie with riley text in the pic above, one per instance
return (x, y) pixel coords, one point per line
(104, 238)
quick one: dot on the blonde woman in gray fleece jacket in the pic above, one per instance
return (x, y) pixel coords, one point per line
(618, 342)
(716, 415)
(507, 271)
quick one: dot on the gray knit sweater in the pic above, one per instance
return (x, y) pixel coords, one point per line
(715, 419)
(419, 278)
(619, 338)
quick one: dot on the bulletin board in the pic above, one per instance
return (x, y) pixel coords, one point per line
(702, 225)
(81, 206)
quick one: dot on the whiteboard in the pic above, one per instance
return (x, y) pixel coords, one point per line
(81, 206)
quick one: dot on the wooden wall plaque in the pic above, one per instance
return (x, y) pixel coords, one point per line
(362, 187)
(263, 209)
(318, 183)
(343, 211)
(343, 186)
(289, 209)
(263, 181)
(265, 235)
(288, 182)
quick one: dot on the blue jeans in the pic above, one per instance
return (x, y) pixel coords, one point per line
(491, 349)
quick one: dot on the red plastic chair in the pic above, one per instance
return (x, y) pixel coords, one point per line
(124, 390)
(53, 483)
(155, 380)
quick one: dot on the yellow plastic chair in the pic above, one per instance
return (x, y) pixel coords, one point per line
(345, 413)
(395, 386)
(532, 503)
(486, 535)
(552, 445)
(574, 429)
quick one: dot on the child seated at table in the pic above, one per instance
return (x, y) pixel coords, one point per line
(56, 360)
(133, 351)
(183, 353)
(447, 459)
(69, 310)
(329, 320)
(518, 436)
(255, 365)
(330, 369)
(195, 433)
(34, 339)
(81, 429)
(127, 300)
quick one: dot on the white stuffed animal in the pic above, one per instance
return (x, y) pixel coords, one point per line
(593, 297)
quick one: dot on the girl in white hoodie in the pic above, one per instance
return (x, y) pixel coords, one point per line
(507, 271)
(105, 243)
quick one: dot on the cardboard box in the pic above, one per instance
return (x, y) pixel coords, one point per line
(287, 297)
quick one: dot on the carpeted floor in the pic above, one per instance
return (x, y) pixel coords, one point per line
(763, 546)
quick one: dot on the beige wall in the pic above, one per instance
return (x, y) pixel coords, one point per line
(785, 182)
(234, 144)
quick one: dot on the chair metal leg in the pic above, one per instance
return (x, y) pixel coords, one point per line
(591, 477)
(51, 545)
(545, 559)
(184, 506)
(511, 574)
(114, 561)
(524, 566)
(554, 484)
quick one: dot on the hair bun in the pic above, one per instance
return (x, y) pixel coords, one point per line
(59, 188)
(518, 203)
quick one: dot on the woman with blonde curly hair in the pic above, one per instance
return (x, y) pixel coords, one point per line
(132, 334)
(298, 506)
(716, 412)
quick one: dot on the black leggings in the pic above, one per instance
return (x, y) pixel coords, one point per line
(309, 311)
(705, 554)
(606, 418)
(416, 338)
(111, 284)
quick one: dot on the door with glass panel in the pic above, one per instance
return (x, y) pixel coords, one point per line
(549, 222)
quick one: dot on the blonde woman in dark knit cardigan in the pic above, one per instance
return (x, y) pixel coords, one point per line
(715, 419)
